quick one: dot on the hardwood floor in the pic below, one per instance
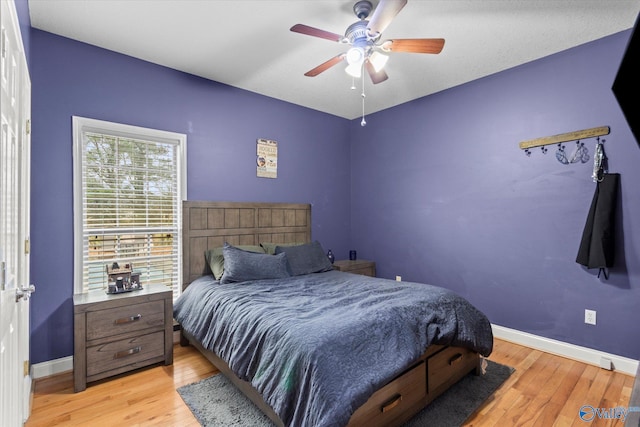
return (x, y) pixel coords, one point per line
(545, 390)
(147, 397)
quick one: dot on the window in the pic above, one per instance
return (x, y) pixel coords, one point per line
(129, 183)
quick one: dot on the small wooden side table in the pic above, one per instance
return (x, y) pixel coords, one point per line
(359, 266)
(121, 332)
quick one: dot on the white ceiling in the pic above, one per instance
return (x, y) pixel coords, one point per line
(247, 43)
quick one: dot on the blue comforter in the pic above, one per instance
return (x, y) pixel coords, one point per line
(317, 346)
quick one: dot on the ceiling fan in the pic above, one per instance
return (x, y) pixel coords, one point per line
(364, 36)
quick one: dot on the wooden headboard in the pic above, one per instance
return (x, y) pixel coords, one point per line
(207, 225)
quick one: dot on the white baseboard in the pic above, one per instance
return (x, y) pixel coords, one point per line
(571, 351)
(52, 367)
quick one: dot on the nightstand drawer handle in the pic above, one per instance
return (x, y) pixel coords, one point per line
(128, 319)
(125, 353)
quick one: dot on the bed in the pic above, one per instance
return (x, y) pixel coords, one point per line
(352, 352)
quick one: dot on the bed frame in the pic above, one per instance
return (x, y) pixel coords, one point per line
(207, 225)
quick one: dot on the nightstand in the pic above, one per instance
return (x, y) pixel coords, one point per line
(359, 266)
(116, 333)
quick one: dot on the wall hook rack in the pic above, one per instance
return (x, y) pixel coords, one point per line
(580, 154)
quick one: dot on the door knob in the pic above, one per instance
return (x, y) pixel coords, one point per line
(25, 292)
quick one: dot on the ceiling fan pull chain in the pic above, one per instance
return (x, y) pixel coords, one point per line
(363, 122)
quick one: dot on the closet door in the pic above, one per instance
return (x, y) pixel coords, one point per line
(15, 383)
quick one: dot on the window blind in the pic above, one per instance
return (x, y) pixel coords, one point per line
(130, 205)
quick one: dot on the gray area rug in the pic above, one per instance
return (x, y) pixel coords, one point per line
(215, 401)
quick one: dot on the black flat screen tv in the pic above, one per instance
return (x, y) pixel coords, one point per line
(625, 86)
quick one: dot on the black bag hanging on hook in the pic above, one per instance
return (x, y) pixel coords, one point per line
(597, 247)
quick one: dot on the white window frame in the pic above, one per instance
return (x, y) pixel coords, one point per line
(82, 125)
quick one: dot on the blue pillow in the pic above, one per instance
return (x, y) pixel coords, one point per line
(305, 259)
(215, 258)
(270, 248)
(240, 266)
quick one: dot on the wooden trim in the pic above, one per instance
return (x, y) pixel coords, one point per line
(565, 137)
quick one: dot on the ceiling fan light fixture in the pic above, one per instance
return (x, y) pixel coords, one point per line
(366, 50)
(355, 59)
(355, 55)
(378, 60)
(354, 70)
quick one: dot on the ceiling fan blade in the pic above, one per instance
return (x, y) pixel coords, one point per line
(376, 76)
(384, 14)
(315, 32)
(325, 66)
(414, 45)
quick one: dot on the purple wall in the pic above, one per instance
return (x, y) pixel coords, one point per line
(458, 204)
(222, 124)
(22, 10)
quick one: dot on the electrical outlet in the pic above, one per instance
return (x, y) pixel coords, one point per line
(590, 317)
(398, 278)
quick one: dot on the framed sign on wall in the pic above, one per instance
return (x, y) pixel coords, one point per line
(267, 158)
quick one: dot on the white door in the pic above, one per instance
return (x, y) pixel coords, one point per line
(15, 381)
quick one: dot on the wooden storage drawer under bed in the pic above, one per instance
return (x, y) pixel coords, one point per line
(391, 401)
(448, 366)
